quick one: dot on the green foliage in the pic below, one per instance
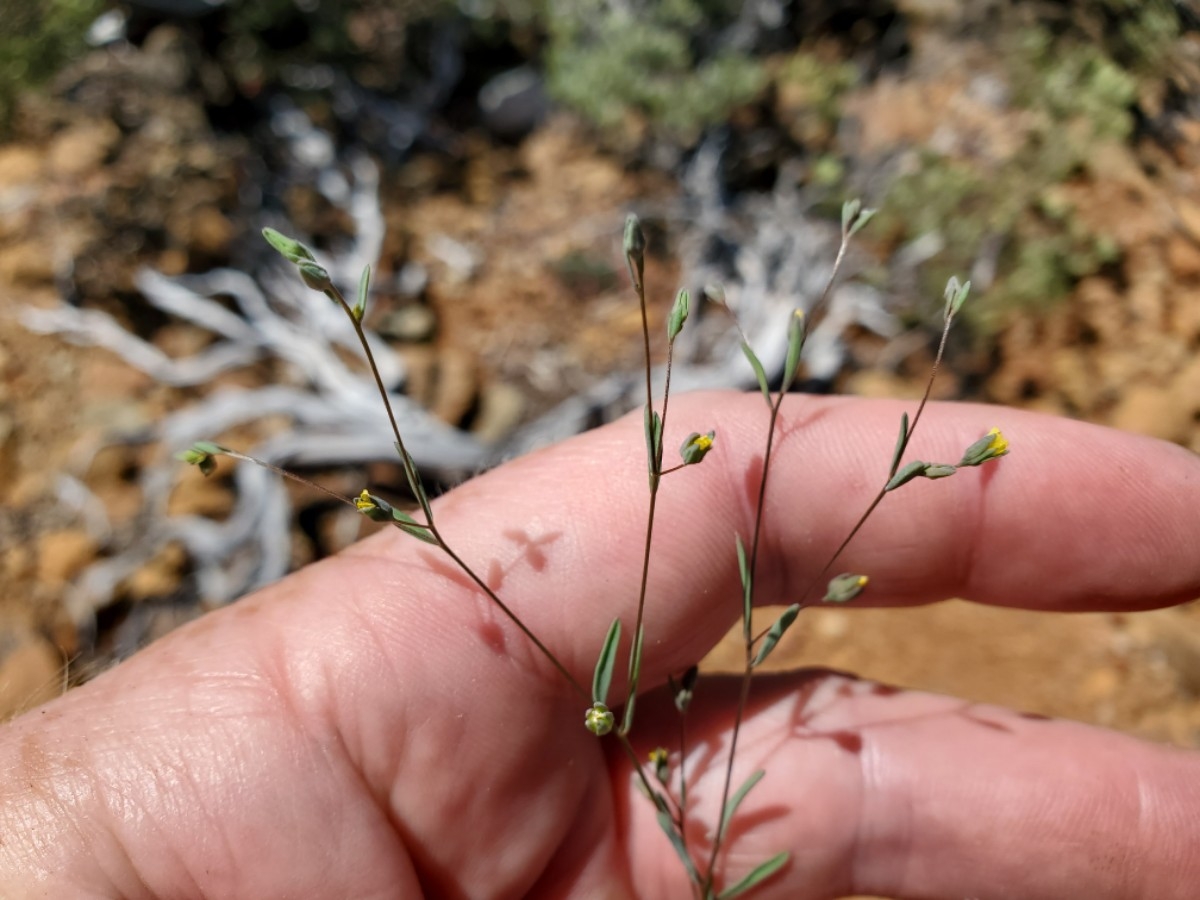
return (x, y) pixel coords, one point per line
(610, 61)
(1078, 96)
(36, 40)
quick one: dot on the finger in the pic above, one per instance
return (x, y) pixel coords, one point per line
(1075, 517)
(904, 794)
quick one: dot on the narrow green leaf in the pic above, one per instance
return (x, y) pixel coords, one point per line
(635, 673)
(605, 663)
(679, 314)
(415, 484)
(796, 334)
(758, 372)
(409, 525)
(736, 800)
(290, 248)
(849, 211)
(364, 285)
(845, 587)
(914, 469)
(782, 624)
(861, 221)
(901, 442)
(757, 875)
(747, 592)
(960, 298)
(667, 824)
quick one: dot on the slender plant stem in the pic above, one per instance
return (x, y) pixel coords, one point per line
(336, 295)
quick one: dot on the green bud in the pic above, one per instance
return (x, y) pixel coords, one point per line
(659, 759)
(679, 314)
(374, 508)
(955, 296)
(696, 446)
(292, 249)
(635, 249)
(200, 455)
(939, 470)
(845, 588)
(991, 446)
(364, 284)
(599, 719)
(314, 276)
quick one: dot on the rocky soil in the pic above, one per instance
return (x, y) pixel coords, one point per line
(523, 303)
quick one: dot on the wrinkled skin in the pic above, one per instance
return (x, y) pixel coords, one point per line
(372, 727)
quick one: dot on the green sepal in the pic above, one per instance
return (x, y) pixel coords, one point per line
(696, 446)
(759, 373)
(901, 443)
(850, 210)
(679, 314)
(635, 673)
(845, 587)
(667, 824)
(914, 469)
(289, 248)
(364, 285)
(771, 638)
(314, 276)
(756, 876)
(736, 800)
(605, 663)
(796, 335)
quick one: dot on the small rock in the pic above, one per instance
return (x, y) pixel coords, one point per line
(82, 148)
(500, 409)
(413, 323)
(1183, 257)
(31, 671)
(63, 554)
(1145, 409)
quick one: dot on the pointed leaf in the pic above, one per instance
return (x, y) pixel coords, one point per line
(736, 800)
(679, 314)
(757, 875)
(635, 673)
(849, 211)
(796, 334)
(758, 372)
(605, 663)
(409, 525)
(290, 248)
(782, 624)
(914, 469)
(667, 824)
(901, 442)
(364, 285)
(747, 593)
(861, 222)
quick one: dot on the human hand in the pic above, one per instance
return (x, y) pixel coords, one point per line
(372, 727)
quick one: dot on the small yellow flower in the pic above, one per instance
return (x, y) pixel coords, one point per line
(998, 445)
(363, 502)
(704, 442)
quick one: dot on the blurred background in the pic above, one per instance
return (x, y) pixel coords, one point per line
(481, 155)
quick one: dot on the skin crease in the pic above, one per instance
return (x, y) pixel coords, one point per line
(373, 727)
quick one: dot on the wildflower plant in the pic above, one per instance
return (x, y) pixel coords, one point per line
(665, 785)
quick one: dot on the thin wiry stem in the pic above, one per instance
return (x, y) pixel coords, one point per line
(336, 295)
(903, 445)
